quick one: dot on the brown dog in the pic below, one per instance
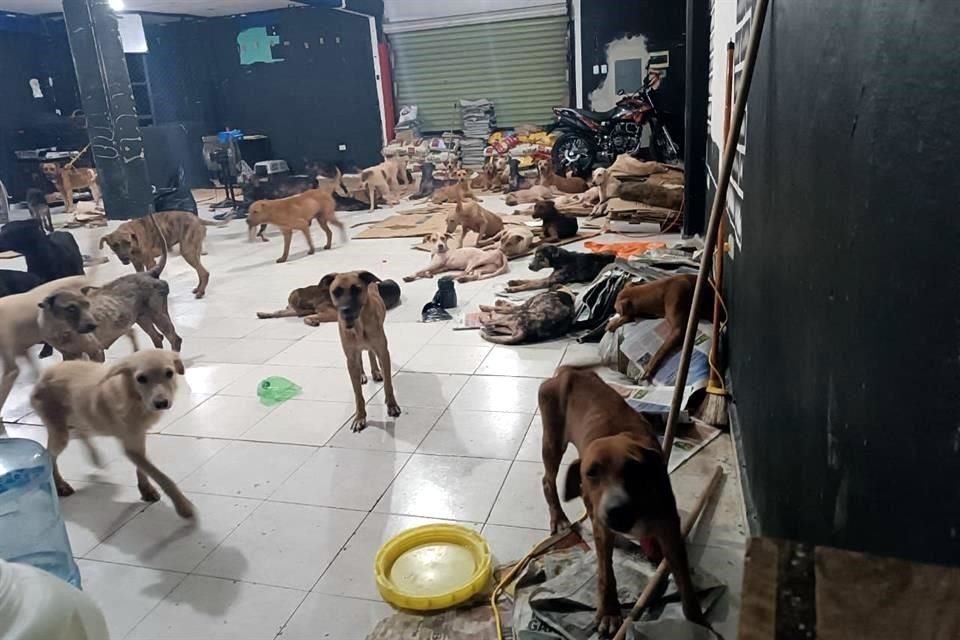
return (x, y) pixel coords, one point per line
(313, 303)
(137, 241)
(472, 217)
(361, 312)
(621, 475)
(294, 213)
(69, 179)
(451, 193)
(550, 179)
(669, 299)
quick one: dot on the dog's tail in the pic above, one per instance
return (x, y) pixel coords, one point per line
(218, 223)
(164, 249)
(390, 292)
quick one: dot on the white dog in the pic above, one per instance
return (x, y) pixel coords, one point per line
(475, 264)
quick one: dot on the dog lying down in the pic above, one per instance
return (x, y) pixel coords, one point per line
(472, 263)
(314, 305)
(124, 400)
(545, 316)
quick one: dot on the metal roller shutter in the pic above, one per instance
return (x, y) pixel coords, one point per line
(519, 65)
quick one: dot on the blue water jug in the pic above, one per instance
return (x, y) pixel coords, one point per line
(31, 527)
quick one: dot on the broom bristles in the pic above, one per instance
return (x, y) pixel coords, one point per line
(713, 411)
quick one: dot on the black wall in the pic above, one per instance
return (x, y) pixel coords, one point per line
(663, 26)
(845, 301)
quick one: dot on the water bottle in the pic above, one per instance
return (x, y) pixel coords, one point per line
(31, 527)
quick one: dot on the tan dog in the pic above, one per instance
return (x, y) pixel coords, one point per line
(517, 240)
(137, 242)
(69, 179)
(294, 213)
(472, 217)
(460, 190)
(20, 328)
(550, 179)
(383, 181)
(526, 196)
(123, 400)
(361, 312)
(473, 263)
(669, 299)
(621, 475)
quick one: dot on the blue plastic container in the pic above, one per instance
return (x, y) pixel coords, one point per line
(31, 527)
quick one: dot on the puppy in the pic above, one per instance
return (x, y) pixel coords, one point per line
(473, 263)
(139, 243)
(545, 316)
(526, 196)
(517, 240)
(360, 315)
(89, 321)
(20, 328)
(123, 400)
(556, 226)
(69, 179)
(40, 209)
(670, 299)
(48, 256)
(295, 213)
(473, 217)
(314, 305)
(567, 185)
(621, 475)
(427, 182)
(568, 267)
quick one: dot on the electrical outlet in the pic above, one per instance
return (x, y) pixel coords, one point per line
(342, 147)
(596, 69)
(603, 68)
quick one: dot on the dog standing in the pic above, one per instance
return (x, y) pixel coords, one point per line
(69, 179)
(383, 181)
(473, 217)
(313, 303)
(556, 226)
(621, 475)
(568, 267)
(123, 400)
(139, 242)
(361, 312)
(295, 213)
(475, 264)
(670, 299)
(39, 209)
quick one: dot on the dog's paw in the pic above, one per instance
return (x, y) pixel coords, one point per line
(514, 283)
(409, 278)
(363, 378)
(359, 424)
(310, 252)
(378, 376)
(561, 523)
(149, 494)
(281, 260)
(608, 624)
(393, 410)
(310, 320)
(184, 509)
(198, 294)
(64, 489)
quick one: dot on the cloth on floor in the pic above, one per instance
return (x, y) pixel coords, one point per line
(623, 249)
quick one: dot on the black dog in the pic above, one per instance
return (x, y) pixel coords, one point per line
(556, 226)
(427, 183)
(568, 266)
(516, 181)
(12, 282)
(48, 256)
(39, 209)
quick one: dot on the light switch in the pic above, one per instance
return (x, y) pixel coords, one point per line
(596, 69)
(342, 147)
(603, 68)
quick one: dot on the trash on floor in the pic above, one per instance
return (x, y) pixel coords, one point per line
(276, 390)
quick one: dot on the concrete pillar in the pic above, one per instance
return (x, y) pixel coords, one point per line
(115, 142)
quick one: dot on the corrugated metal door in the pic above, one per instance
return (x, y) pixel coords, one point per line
(519, 65)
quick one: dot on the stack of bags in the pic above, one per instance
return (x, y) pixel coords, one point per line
(478, 121)
(408, 124)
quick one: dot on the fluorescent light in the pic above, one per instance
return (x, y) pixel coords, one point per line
(117, 5)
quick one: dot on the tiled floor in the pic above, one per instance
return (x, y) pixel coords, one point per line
(292, 505)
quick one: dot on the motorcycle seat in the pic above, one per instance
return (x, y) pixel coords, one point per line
(596, 115)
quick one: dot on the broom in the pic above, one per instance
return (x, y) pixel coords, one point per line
(714, 408)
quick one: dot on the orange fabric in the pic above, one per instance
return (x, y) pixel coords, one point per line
(622, 249)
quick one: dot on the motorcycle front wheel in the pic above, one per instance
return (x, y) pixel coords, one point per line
(573, 153)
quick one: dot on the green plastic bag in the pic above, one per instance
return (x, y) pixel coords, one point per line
(276, 389)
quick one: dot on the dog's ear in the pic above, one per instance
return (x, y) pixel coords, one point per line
(367, 277)
(178, 365)
(134, 240)
(119, 369)
(104, 240)
(87, 290)
(48, 302)
(571, 485)
(326, 281)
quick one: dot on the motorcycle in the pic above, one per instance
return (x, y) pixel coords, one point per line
(598, 137)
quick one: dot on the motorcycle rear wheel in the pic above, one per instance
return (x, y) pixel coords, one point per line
(573, 152)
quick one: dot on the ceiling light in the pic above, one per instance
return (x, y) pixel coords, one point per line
(117, 5)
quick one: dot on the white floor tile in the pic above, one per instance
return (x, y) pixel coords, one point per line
(211, 378)
(520, 361)
(311, 354)
(445, 487)
(435, 390)
(215, 609)
(510, 544)
(531, 449)
(160, 539)
(345, 478)
(488, 393)
(284, 545)
(125, 594)
(521, 502)
(442, 359)
(479, 434)
(97, 510)
(220, 417)
(384, 433)
(351, 574)
(317, 383)
(281, 328)
(75, 463)
(176, 456)
(339, 618)
(245, 351)
(247, 469)
(308, 422)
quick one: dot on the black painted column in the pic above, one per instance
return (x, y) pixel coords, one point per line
(115, 142)
(695, 117)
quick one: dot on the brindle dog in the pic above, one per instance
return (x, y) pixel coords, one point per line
(545, 316)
